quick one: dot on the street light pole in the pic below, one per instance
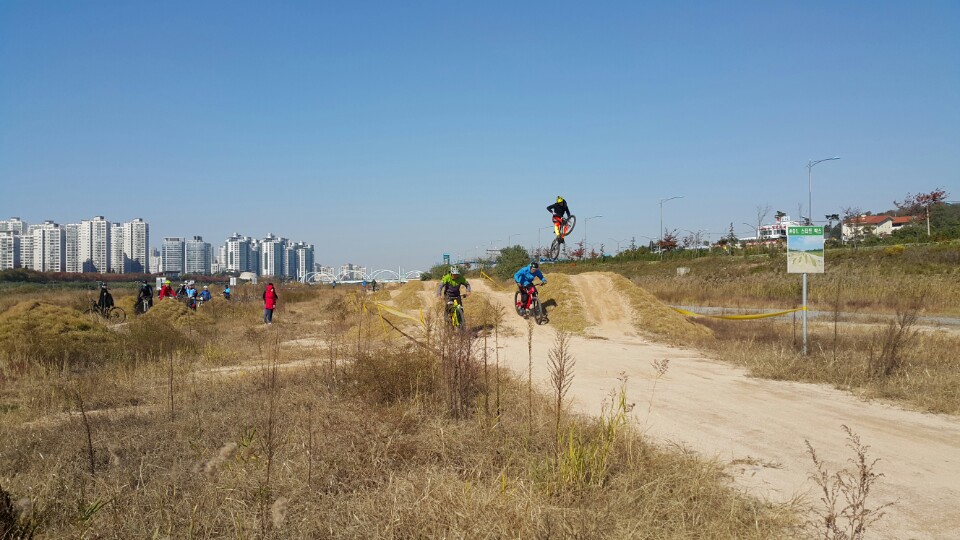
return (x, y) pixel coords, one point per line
(511, 236)
(810, 165)
(661, 222)
(585, 230)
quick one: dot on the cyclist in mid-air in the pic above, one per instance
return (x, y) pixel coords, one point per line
(450, 286)
(524, 279)
(558, 209)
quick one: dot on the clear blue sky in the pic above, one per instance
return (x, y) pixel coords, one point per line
(387, 133)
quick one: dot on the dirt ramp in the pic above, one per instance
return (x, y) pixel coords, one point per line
(603, 305)
(654, 317)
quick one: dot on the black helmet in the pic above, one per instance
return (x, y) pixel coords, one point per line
(534, 265)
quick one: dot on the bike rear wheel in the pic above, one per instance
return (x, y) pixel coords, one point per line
(516, 303)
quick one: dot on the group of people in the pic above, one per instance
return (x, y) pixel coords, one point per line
(189, 294)
(451, 283)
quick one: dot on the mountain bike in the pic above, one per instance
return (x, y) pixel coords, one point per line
(455, 314)
(143, 305)
(566, 227)
(113, 314)
(536, 310)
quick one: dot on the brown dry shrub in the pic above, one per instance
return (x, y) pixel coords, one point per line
(393, 375)
(53, 336)
(175, 313)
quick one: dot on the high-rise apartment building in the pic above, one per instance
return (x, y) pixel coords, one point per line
(94, 245)
(9, 250)
(304, 260)
(155, 261)
(47, 247)
(136, 246)
(197, 256)
(116, 248)
(72, 251)
(14, 225)
(171, 256)
(272, 254)
(240, 254)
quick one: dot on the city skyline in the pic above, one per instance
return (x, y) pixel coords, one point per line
(393, 133)
(99, 245)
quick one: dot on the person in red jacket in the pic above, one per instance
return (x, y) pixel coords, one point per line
(167, 291)
(269, 303)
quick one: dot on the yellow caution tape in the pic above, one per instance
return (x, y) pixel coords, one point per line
(484, 274)
(381, 308)
(739, 317)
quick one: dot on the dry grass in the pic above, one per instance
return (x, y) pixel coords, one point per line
(564, 304)
(363, 444)
(409, 295)
(654, 317)
(926, 377)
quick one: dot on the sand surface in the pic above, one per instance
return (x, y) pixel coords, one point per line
(755, 427)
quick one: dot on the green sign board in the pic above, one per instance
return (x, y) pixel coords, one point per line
(805, 250)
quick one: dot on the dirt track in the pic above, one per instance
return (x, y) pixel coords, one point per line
(755, 427)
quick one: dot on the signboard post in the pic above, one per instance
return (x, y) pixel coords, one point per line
(805, 255)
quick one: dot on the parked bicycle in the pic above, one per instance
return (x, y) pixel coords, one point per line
(112, 314)
(536, 310)
(566, 227)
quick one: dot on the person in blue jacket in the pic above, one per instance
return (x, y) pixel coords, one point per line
(524, 278)
(205, 294)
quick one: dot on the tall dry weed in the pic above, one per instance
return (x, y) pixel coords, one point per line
(845, 512)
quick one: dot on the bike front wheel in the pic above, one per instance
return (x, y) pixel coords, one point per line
(569, 224)
(516, 303)
(116, 315)
(536, 309)
(456, 317)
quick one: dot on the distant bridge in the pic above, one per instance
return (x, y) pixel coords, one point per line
(351, 276)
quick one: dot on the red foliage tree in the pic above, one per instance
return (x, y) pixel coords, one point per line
(918, 205)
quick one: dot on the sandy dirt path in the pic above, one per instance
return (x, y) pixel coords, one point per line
(755, 427)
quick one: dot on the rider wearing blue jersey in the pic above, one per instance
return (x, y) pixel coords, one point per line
(524, 279)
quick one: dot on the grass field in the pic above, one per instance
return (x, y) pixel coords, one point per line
(325, 424)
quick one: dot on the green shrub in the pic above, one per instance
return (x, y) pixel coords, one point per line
(510, 260)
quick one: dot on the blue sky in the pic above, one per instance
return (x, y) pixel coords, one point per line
(387, 133)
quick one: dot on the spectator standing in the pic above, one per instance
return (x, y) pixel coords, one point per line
(269, 303)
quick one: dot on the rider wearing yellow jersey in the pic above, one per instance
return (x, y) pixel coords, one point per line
(450, 285)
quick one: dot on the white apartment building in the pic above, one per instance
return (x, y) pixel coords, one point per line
(352, 271)
(48, 247)
(9, 250)
(197, 256)
(272, 254)
(239, 254)
(304, 260)
(155, 261)
(136, 246)
(72, 251)
(116, 248)
(94, 245)
(14, 225)
(171, 255)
